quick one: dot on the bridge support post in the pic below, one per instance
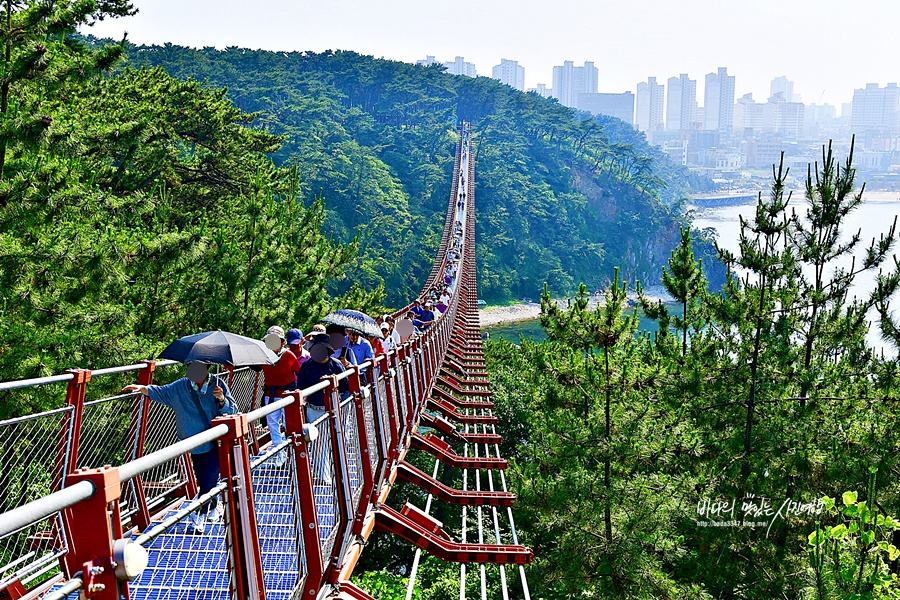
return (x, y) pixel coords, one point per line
(390, 386)
(365, 450)
(242, 531)
(382, 443)
(294, 420)
(407, 392)
(341, 477)
(67, 452)
(98, 526)
(139, 416)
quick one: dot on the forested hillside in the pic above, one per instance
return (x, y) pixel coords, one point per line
(562, 197)
(146, 192)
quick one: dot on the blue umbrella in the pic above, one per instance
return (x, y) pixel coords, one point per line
(356, 320)
(221, 348)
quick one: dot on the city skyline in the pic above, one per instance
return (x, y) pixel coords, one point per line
(627, 42)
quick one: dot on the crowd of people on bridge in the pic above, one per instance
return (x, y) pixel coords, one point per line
(302, 361)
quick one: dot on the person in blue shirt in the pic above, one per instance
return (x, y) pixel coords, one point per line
(415, 321)
(416, 308)
(337, 336)
(196, 400)
(360, 347)
(427, 316)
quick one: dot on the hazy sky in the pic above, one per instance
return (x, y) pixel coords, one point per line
(827, 47)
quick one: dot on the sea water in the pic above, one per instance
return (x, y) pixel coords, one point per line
(872, 218)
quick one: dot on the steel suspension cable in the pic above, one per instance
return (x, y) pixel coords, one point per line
(410, 587)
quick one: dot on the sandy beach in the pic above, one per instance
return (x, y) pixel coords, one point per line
(496, 315)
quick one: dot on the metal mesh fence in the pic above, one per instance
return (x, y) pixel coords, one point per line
(277, 517)
(244, 388)
(322, 465)
(107, 432)
(33, 452)
(163, 479)
(371, 434)
(382, 403)
(351, 447)
(400, 393)
(247, 388)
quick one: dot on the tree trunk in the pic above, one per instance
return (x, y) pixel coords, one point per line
(4, 90)
(607, 510)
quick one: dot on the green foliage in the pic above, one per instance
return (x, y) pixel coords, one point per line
(147, 209)
(560, 197)
(854, 558)
(740, 412)
(385, 586)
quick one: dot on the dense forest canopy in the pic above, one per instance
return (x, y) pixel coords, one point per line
(561, 196)
(182, 190)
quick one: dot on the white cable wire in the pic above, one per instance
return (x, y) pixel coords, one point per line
(490, 474)
(411, 586)
(512, 527)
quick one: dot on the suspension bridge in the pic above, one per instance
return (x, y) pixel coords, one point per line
(97, 494)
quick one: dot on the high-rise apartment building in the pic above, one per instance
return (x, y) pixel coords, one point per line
(718, 102)
(542, 90)
(460, 67)
(784, 86)
(569, 81)
(650, 102)
(681, 103)
(427, 62)
(777, 116)
(875, 108)
(510, 73)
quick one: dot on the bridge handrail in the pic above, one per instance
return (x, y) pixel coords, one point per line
(132, 469)
(45, 507)
(18, 384)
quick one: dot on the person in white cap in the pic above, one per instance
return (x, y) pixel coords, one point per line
(388, 341)
(280, 377)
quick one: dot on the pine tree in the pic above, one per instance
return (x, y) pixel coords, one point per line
(684, 280)
(826, 315)
(40, 60)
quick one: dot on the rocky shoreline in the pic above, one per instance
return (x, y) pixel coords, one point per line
(496, 315)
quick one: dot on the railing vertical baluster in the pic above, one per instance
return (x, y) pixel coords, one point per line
(74, 398)
(99, 525)
(341, 477)
(294, 420)
(390, 386)
(365, 463)
(381, 443)
(67, 451)
(139, 417)
(408, 394)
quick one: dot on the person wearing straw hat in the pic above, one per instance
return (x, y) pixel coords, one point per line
(280, 377)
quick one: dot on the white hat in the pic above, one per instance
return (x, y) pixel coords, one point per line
(276, 330)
